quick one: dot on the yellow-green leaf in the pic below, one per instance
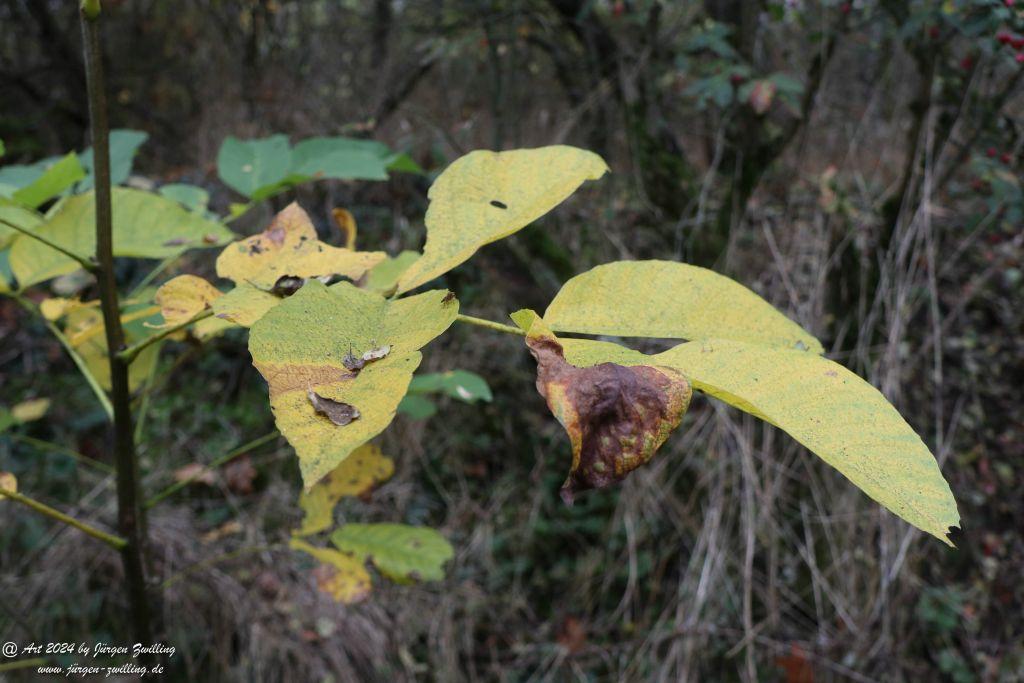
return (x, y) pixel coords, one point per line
(60, 176)
(300, 346)
(244, 305)
(341, 576)
(485, 196)
(383, 277)
(833, 412)
(289, 247)
(146, 225)
(402, 553)
(20, 216)
(182, 298)
(670, 300)
(359, 472)
(8, 482)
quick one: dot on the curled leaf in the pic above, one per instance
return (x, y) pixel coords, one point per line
(337, 412)
(617, 417)
(346, 222)
(289, 247)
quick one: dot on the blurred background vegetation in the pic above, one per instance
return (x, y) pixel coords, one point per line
(856, 163)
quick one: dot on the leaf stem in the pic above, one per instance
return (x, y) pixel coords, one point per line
(489, 324)
(86, 262)
(115, 542)
(230, 455)
(128, 354)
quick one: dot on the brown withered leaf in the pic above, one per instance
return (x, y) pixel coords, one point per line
(239, 475)
(377, 353)
(337, 412)
(616, 416)
(195, 472)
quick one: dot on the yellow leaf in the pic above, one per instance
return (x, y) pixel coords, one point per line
(341, 576)
(87, 335)
(146, 225)
(833, 412)
(670, 300)
(289, 247)
(30, 411)
(346, 222)
(8, 482)
(244, 305)
(300, 348)
(485, 196)
(182, 298)
(57, 307)
(359, 472)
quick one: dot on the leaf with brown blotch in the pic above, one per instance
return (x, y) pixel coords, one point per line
(289, 246)
(617, 417)
(337, 412)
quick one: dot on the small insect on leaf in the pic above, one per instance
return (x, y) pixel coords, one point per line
(498, 205)
(448, 297)
(377, 353)
(286, 285)
(337, 412)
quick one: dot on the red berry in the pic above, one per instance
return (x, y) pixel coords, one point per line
(1004, 37)
(1017, 42)
(1005, 158)
(991, 152)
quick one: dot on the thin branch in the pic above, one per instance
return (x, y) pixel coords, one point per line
(128, 354)
(115, 542)
(489, 324)
(84, 261)
(230, 455)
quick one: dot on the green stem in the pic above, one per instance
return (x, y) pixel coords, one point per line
(22, 664)
(90, 379)
(127, 355)
(63, 450)
(84, 261)
(489, 324)
(230, 455)
(130, 521)
(115, 542)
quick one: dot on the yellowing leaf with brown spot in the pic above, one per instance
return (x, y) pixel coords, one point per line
(290, 247)
(182, 298)
(359, 472)
(300, 344)
(8, 482)
(834, 413)
(671, 300)
(31, 410)
(341, 576)
(485, 196)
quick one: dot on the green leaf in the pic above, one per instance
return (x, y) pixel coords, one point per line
(250, 165)
(123, 146)
(461, 384)
(17, 176)
(417, 407)
(342, 159)
(384, 276)
(191, 197)
(402, 553)
(665, 299)
(20, 216)
(54, 180)
(300, 348)
(485, 196)
(837, 415)
(146, 225)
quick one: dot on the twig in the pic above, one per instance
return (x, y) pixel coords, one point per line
(115, 542)
(63, 450)
(128, 354)
(230, 455)
(86, 262)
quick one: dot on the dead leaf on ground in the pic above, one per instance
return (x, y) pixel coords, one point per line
(796, 666)
(340, 575)
(195, 473)
(224, 530)
(572, 635)
(239, 475)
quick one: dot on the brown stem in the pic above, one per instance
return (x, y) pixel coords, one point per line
(129, 514)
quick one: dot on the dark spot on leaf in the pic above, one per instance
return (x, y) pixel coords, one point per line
(210, 238)
(255, 248)
(176, 242)
(276, 233)
(351, 362)
(286, 285)
(617, 417)
(498, 205)
(337, 412)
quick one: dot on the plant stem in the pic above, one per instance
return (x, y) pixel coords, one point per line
(489, 324)
(63, 450)
(84, 261)
(129, 514)
(22, 664)
(127, 355)
(230, 455)
(115, 542)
